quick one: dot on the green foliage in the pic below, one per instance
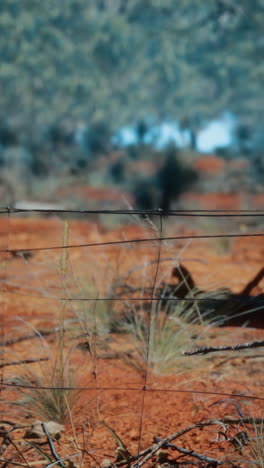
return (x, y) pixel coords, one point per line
(107, 61)
(92, 66)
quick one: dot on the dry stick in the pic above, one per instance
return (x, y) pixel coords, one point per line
(150, 451)
(10, 462)
(30, 336)
(213, 349)
(57, 462)
(24, 361)
(13, 424)
(51, 446)
(233, 402)
(191, 452)
(229, 358)
(19, 451)
(7, 440)
(253, 283)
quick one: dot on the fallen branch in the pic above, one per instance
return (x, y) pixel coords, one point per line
(148, 453)
(190, 452)
(214, 349)
(30, 336)
(58, 461)
(253, 283)
(23, 361)
(7, 440)
(10, 462)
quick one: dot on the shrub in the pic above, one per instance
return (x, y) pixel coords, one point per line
(173, 178)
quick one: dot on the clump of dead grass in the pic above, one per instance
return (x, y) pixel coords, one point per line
(49, 392)
(161, 333)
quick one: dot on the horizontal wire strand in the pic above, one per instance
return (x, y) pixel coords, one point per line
(128, 241)
(156, 212)
(133, 389)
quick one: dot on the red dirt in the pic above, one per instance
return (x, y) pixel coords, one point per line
(143, 167)
(95, 194)
(210, 165)
(257, 201)
(215, 201)
(137, 408)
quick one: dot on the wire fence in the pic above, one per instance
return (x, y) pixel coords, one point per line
(151, 294)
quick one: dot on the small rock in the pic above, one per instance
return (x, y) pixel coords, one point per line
(36, 430)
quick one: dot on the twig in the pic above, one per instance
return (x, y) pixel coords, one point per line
(214, 349)
(233, 402)
(253, 283)
(7, 440)
(10, 462)
(52, 448)
(61, 460)
(30, 336)
(148, 453)
(24, 361)
(13, 424)
(229, 358)
(189, 452)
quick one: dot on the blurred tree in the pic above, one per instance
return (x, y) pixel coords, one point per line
(117, 171)
(173, 178)
(118, 61)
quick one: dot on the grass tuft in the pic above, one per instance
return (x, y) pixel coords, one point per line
(44, 392)
(161, 333)
(255, 452)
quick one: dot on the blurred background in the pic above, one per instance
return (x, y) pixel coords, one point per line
(142, 103)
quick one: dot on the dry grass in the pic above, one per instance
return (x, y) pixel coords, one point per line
(161, 333)
(44, 392)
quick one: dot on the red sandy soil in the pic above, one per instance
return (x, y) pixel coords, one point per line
(137, 407)
(96, 194)
(213, 165)
(223, 201)
(210, 164)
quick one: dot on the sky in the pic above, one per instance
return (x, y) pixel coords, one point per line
(218, 133)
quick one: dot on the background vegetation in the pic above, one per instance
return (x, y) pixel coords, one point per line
(74, 72)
